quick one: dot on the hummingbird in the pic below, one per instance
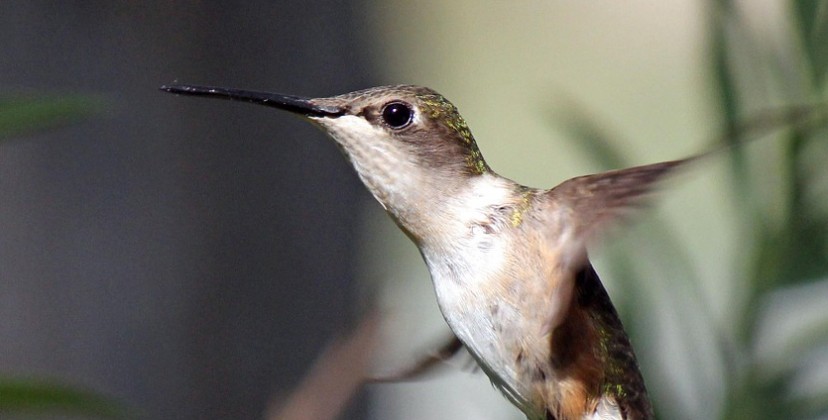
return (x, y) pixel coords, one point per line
(508, 262)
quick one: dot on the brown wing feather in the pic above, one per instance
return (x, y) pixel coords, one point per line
(423, 365)
(595, 202)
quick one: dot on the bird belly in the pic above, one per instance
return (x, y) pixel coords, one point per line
(506, 343)
(491, 348)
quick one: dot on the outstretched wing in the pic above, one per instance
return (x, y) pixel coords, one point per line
(425, 364)
(592, 204)
(587, 338)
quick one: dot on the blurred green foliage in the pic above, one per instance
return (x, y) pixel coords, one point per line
(749, 73)
(784, 252)
(38, 397)
(20, 116)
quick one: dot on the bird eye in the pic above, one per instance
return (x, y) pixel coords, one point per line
(397, 114)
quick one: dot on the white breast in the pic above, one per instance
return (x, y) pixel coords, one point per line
(465, 267)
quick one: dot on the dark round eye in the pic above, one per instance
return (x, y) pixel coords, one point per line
(397, 114)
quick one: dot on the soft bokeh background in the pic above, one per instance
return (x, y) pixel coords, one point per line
(190, 258)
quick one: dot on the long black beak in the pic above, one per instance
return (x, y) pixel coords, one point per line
(295, 104)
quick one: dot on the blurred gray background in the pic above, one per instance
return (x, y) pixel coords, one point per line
(189, 257)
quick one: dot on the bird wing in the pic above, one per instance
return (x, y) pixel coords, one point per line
(581, 319)
(592, 204)
(423, 365)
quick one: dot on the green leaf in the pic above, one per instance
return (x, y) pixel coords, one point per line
(812, 19)
(37, 396)
(590, 137)
(26, 115)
